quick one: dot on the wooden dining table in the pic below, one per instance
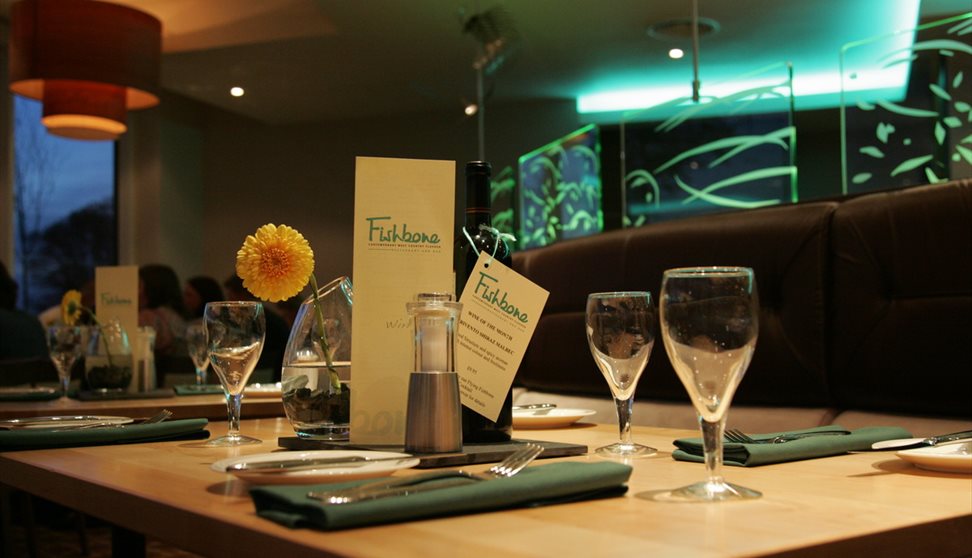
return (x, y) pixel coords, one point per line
(210, 406)
(855, 504)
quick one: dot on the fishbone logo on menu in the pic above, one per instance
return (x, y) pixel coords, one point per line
(382, 230)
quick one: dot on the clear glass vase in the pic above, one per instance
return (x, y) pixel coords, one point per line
(108, 358)
(315, 382)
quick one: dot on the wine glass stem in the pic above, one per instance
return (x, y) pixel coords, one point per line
(200, 376)
(712, 446)
(624, 418)
(233, 403)
(65, 383)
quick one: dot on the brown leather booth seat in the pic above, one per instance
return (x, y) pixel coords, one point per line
(866, 307)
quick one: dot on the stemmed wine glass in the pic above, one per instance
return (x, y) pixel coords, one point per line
(66, 344)
(236, 331)
(198, 347)
(621, 333)
(710, 321)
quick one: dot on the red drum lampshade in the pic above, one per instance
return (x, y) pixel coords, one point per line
(88, 62)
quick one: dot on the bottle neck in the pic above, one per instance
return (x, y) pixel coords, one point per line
(477, 200)
(478, 216)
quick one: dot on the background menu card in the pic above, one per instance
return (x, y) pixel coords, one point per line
(403, 236)
(500, 310)
(116, 297)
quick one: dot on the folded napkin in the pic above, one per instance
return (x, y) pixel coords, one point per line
(41, 438)
(535, 486)
(751, 455)
(28, 394)
(194, 389)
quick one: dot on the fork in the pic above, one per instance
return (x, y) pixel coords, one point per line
(737, 436)
(159, 417)
(513, 464)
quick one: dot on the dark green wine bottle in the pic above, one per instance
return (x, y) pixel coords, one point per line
(478, 227)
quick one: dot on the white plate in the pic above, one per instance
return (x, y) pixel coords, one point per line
(354, 471)
(949, 458)
(262, 390)
(548, 418)
(61, 422)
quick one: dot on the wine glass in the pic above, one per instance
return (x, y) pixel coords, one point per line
(66, 344)
(710, 321)
(621, 333)
(198, 347)
(236, 331)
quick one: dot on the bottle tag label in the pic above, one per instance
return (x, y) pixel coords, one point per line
(500, 310)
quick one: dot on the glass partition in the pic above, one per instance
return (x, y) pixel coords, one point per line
(733, 149)
(560, 190)
(916, 126)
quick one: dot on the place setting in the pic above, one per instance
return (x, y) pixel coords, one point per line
(83, 430)
(541, 416)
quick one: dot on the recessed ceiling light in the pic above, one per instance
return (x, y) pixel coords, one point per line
(237, 91)
(676, 53)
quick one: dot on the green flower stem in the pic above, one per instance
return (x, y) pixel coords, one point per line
(335, 380)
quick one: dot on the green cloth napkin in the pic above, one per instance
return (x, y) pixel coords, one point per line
(193, 389)
(535, 486)
(751, 455)
(28, 394)
(38, 438)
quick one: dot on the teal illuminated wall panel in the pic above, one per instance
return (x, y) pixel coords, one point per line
(560, 190)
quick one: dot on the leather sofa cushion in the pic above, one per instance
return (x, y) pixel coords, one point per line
(787, 246)
(902, 301)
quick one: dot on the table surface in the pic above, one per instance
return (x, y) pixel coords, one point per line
(869, 503)
(211, 406)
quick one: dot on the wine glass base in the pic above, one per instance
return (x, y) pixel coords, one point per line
(620, 450)
(709, 492)
(224, 441)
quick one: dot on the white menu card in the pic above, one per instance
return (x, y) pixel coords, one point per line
(403, 239)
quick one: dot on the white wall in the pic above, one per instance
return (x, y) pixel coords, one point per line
(303, 176)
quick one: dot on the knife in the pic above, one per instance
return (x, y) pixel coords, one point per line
(908, 443)
(288, 465)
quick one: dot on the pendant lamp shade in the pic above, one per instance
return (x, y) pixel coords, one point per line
(88, 62)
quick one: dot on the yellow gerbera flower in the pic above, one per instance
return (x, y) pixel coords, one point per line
(275, 263)
(71, 307)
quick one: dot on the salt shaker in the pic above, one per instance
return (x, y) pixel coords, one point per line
(433, 420)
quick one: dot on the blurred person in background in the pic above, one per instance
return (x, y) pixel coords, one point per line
(21, 334)
(160, 306)
(197, 292)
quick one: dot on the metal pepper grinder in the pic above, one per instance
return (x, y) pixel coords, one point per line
(433, 420)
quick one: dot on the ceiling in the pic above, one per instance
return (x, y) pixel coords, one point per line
(318, 60)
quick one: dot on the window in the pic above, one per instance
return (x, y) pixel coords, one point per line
(64, 209)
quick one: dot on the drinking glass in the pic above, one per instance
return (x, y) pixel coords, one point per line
(198, 347)
(709, 321)
(621, 333)
(236, 331)
(66, 345)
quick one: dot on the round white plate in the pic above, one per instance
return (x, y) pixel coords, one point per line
(62, 422)
(262, 390)
(548, 418)
(359, 470)
(948, 458)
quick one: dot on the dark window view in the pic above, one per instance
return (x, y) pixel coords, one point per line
(64, 209)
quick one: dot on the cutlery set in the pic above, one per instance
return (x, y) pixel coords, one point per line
(403, 486)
